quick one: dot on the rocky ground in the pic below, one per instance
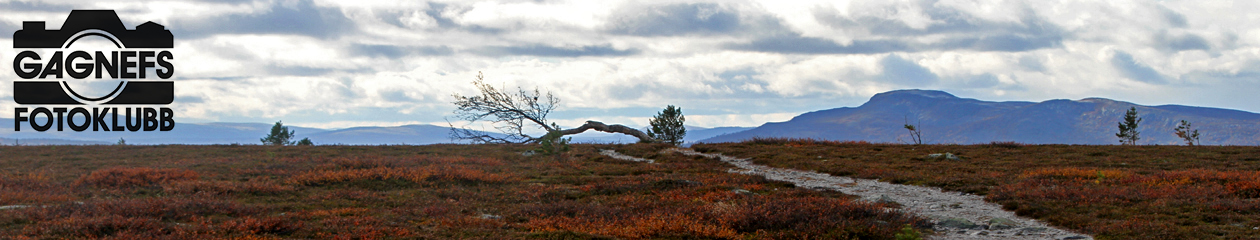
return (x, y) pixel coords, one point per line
(956, 215)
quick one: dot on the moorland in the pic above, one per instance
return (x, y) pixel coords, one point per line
(496, 191)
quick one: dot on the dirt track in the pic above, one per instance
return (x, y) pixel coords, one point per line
(947, 209)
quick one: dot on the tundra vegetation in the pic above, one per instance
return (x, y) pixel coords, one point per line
(495, 192)
(1111, 192)
(411, 192)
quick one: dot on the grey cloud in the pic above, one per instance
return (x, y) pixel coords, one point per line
(344, 88)
(1175, 19)
(905, 72)
(1234, 78)
(735, 82)
(687, 19)
(944, 21)
(956, 30)
(810, 45)
(1031, 63)
(277, 70)
(1247, 75)
(396, 96)
(389, 51)
(743, 73)
(190, 99)
(1003, 43)
(634, 90)
(986, 80)
(549, 51)
(1132, 69)
(1181, 42)
(5, 27)
(437, 11)
(28, 6)
(298, 18)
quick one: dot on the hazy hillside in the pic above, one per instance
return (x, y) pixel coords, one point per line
(693, 134)
(184, 133)
(249, 133)
(407, 134)
(42, 141)
(242, 133)
(945, 118)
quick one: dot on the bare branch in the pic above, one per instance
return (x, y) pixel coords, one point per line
(512, 112)
(508, 112)
(615, 128)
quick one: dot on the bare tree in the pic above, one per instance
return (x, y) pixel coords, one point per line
(515, 113)
(916, 135)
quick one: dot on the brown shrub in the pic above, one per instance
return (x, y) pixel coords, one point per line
(122, 177)
(255, 187)
(263, 225)
(164, 209)
(30, 188)
(412, 174)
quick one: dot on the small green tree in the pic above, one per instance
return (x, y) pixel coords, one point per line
(1128, 127)
(667, 125)
(1185, 132)
(279, 135)
(553, 142)
(305, 142)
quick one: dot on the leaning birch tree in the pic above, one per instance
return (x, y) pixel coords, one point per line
(515, 113)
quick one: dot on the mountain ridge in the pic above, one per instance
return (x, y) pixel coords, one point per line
(250, 133)
(948, 119)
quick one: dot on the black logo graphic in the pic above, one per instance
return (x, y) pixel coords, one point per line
(133, 55)
(122, 64)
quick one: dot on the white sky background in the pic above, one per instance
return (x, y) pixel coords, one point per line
(726, 63)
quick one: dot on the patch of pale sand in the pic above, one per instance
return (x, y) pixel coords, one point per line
(623, 157)
(929, 202)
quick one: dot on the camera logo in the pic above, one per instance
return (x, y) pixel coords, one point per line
(121, 65)
(94, 60)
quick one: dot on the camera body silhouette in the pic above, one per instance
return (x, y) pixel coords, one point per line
(118, 63)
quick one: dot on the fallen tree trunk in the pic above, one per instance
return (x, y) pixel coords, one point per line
(615, 128)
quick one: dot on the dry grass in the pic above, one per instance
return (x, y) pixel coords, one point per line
(1114, 192)
(408, 192)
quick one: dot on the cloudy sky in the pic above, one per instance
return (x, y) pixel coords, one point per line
(337, 64)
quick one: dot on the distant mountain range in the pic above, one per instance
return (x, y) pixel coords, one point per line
(229, 133)
(944, 118)
(250, 133)
(693, 134)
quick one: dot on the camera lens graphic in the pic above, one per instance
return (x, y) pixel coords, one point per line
(91, 90)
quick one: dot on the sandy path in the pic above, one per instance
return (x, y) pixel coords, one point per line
(930, 202)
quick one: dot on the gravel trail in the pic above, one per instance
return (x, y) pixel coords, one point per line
(957, 215)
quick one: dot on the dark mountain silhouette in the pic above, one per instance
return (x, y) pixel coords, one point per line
(944, 118)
